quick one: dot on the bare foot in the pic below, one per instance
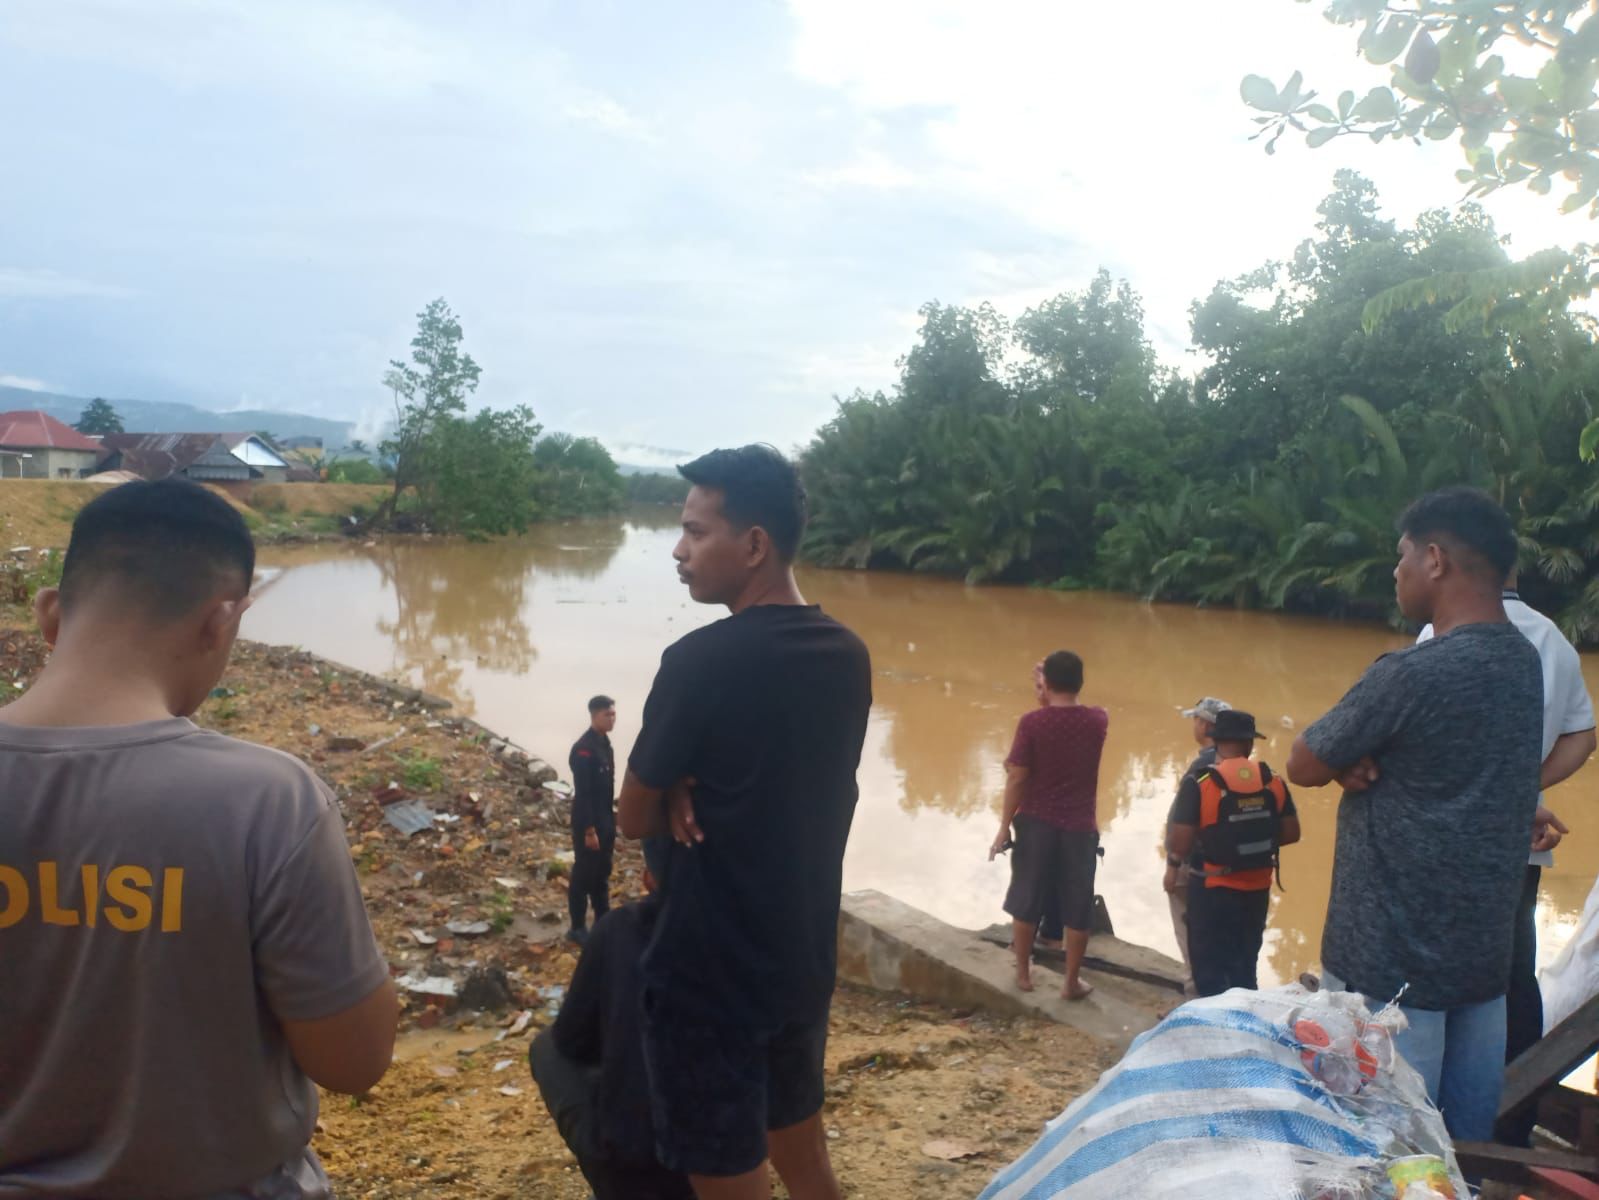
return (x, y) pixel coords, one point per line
(1024, 981)
(1076, 991)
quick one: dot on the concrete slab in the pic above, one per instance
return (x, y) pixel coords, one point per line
(889, 946)
(1109, 954)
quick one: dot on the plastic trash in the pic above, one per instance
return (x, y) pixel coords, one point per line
(427, 985)
(410, 817)
(1284, 1094)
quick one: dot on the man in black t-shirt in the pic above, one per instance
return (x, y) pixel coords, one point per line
(593, 817)
(752, 735)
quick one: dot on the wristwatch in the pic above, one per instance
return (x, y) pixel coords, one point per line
(1173, 861)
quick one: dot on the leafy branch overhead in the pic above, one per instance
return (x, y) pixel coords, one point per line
(1512, 81)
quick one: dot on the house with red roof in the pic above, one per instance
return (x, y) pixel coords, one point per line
(34, 445)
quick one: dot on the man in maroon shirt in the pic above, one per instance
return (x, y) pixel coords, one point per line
(1052, 778)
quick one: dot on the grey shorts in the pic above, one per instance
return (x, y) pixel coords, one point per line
(1052, 869)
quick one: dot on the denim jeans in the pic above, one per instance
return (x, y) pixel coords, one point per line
(1460, 1055)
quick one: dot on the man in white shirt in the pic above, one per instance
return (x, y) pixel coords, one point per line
(1568, 740)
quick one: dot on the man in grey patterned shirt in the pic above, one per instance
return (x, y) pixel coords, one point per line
(1437, 748)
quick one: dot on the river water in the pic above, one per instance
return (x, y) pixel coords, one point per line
(520, 633)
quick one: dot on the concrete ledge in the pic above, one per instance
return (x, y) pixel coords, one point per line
(1109, 954)
(889, 946)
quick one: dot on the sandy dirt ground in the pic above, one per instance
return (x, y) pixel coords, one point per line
(38, 513)
(922, 1101)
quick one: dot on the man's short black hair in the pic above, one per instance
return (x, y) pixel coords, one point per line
(600, 703)
(168, 545)
(1063, 672)
(759, 487)
(1470, 517)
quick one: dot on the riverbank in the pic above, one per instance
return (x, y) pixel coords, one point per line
(38, 513)
(923, 1101)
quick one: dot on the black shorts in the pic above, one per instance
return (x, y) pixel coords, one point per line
(715, 1090)
(1052, 868)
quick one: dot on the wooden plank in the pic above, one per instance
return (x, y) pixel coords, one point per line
(1515, 1164)
(1550, 1059)
(1563, 1185)
(1563, 1111)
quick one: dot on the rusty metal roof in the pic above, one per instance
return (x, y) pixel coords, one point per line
(157, 455)
(27, 429)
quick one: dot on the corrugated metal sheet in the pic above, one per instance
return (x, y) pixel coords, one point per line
(158, 455)
(27, 429)
(248, 448)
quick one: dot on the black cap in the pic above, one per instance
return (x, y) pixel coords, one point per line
(1234, 726)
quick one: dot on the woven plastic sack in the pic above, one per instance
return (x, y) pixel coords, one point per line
(1273, 1095)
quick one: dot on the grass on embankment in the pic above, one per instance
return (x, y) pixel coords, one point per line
(39, 512)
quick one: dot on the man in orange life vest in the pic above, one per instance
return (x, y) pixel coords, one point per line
(1228, 822)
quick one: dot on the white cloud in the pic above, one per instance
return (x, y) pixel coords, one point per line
(1121, 135)
(360, 53)
(33, 284)
(634, 454)
(869, 170)
(587, 107)
(23, 382)
(650, 227)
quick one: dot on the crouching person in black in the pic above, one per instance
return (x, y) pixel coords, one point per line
(589, 1065)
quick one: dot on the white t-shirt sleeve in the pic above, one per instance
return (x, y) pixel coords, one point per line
(1577, 710)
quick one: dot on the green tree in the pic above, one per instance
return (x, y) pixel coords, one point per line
(1058, 452)
(1090, 345)
(98, 418)
(429, 389)
(957, 360)
(473, 475)
(655, 487)
(1527, 118)
(1286, 339)
(481, 475)
(355, 470)
(352, 463)
(575, 477)
(1531, 118)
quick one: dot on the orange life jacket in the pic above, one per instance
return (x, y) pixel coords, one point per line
(1240, 819)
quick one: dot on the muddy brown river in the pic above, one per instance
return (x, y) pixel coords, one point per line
(520, 633)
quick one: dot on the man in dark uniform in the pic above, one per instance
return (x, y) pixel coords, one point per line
(593, 817)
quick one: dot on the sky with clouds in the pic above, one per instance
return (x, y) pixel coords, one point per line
(666, 225)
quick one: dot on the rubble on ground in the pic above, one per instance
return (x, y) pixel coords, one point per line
(467, 894)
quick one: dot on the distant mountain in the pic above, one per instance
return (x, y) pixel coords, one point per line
(162, 416)
(165, 416)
